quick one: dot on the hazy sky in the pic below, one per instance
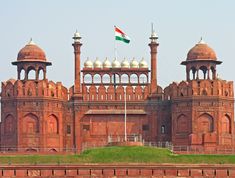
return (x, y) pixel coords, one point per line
(179, 25)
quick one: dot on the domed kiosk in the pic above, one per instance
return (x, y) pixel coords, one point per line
(31, 57)
(201, 58)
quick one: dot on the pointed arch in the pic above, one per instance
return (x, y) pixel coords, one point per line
(106, 78)
(30, 124)
(52, 124)
(31, 73)
(22, 74)
(205, 123)
(192, 73)
(9, 124)
(134, 78)
(226, 124)
(182, 124)
(41, 73)
(125, 79)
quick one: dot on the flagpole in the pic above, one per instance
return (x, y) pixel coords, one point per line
(125, 117)
(115, 45)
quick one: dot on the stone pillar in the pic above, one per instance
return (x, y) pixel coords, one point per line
(197, 71)
(187, 75)
(208, 74)
(153, 51)
(77, 46)
(37, 74)
(18, 74)
(44, 74)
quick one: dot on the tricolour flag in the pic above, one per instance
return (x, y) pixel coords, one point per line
(120, 35)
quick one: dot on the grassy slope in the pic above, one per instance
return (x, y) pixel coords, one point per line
(120, 155)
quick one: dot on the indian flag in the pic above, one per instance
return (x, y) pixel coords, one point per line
(120, 35)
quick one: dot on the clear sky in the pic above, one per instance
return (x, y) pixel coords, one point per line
(179, 25)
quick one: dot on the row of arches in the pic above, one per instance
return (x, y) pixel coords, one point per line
(31, 73)
(201, 73)
(31, 124)
(204, 124)
(102, 93)
(115, 78)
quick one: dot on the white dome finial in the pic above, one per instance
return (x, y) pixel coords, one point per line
(77, 37)
(153, 36)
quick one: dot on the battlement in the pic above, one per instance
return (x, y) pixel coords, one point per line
(220, 88)
(102, 93)
(32, 88)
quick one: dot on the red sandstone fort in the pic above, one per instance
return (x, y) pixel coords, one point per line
(41, 115)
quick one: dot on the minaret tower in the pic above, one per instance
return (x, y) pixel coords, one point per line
(153, 51)
(77, 51)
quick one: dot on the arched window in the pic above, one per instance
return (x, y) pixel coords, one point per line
(31, 74)
(205, 123)
(22, 74)
(134, 78)
(40, 74)
(202, 72)
(52, 125)
(124, 79)
(226, 124)
(9, 124)
(143, 78)
(182, 124)
(106, 78)
(97, 78)
(30, 124)
(87, 78)
(163, 129)
(192, 73)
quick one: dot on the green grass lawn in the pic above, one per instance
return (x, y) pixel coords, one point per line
(119, 155)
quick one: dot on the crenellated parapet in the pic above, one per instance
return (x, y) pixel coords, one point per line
(193, 88)
(31, 88)
(110, 93)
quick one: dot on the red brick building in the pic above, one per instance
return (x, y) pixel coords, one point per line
(41, 115)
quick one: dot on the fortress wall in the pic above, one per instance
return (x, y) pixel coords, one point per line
(203, 88)
(128, 170)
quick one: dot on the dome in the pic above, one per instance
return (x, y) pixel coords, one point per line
(77, 37)
(31, 52)
(88, 63)
(77, 34)
(201, 51)
(125, 64)
(143, 64)
(97, 63)
(107, 63)
(134, 63)
(116, 64)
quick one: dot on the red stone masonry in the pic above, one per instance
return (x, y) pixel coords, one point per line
(38, 115)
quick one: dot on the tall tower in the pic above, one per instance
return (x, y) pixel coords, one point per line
(153, 51)
(77, 51)
(202, 106)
